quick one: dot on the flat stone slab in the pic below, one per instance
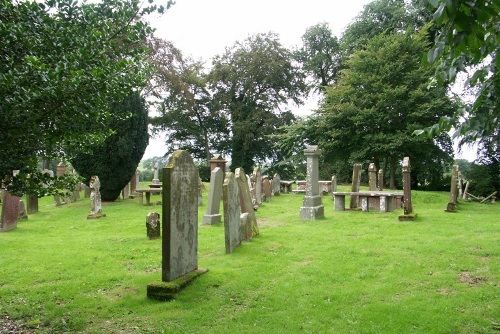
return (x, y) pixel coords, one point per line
(165, 291)
(410, 217)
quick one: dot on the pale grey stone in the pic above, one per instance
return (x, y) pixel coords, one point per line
(232, 209)
(312, 205)
(212, 215)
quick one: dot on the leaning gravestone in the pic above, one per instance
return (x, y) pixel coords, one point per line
(213, 206)
(153, 225)
(179, 227)
(95, 199)
(312, 207)
(246, 199)
(231, 202)
(407, 205)
(356, 177)
(9, 211)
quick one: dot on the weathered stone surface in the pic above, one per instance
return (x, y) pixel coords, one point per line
(246, 199)
(334, 183)
(232, 209)
(452, 204)
(126, 191)
(372, 177)
(312, 207)
(380, 180)
(179, 216)
(218, 161)
(407, 205)
(165, 291)
(22, 210)
(32, 203)
(153, 225)
(266, 188)
(95, 199)
(257, 176)
(9, 211)
(356, 180)
(156, 180)
(276, 185)
(212, 215)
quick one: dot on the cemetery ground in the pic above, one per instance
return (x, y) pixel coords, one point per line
(350, 272)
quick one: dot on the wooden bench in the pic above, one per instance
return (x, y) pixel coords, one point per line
(387, 201)
(148, 193)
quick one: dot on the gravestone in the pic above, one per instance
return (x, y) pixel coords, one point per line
(334, 183)
(218, 161)
(95, 199)
(22, 210)
(232, 209)
(153, 225)
(452, 204)
(212, 215)
(257, 176)
(9, 211)
(126, 191)
(372, 177)
(407, 205)
(276, 185)
(356, 178)
(312, 207)
(246, 199)
(134, 183)
(156, 180)
(266, 188)
(32, 203)
(86, 190)
(380, 180)
(201, 186)
(460, 185)
(245, 227)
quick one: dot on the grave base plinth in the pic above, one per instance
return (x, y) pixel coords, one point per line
(211, 219)
(310, 213)
(407, 217)
(165, 291)
(96, 215)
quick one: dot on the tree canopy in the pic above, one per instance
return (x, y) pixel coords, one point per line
(61, 65)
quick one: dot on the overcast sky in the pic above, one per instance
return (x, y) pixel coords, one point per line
(203, 29)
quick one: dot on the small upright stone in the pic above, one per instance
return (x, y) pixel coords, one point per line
(153, 225)
(266, 188)
(95, 199)
(380, 180)
(276, 185)
(312, 207)
(452, 204)
(257, 176)
(32, 203)
(212, 215)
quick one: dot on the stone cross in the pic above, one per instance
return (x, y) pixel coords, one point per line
(372, 177)
(213, 206)
(179, 216)
(156, 180)
(356, 180)
(153, 226)
(312, 207)
(232, 209)
(246, 199)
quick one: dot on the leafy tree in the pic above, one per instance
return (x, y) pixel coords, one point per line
(468, 43)
(370, 114)
(61, 63)
(116, 160)
(250, 81)
(187, 112)
(320, 54)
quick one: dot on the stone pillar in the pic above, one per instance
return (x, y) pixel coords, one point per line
(407, 205)
(276, 185)
(218, 161)
(156, 180)
(212, 215)
(312, 205)
(356, 177)
(372, 177)
(380, 180)
(452, 205)
(460, 185)
(134, 183)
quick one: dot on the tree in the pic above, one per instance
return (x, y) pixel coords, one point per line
(61, 64)
(467, 42)
(320, 54)
(187, 112)
(378, 101)
(250, 81)
(116, 160)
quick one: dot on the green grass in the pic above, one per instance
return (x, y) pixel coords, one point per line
(350, 272)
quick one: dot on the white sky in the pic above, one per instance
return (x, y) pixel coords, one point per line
(204, 28)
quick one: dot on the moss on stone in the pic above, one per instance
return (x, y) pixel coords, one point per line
(165, 291)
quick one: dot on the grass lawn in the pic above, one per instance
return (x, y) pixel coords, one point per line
(350, 272)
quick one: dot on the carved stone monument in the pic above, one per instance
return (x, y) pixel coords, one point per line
(312, 207)
(246, 199)
(212, 215)
(407, 205)
(95, 199)
(179, 227)
(276, 185)
(372, 177)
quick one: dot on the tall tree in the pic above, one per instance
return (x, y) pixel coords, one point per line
(468, 43)
(370, 114)
(320, 54)
(116, 160)
(61, 63)
(187, 112)
(251, 81)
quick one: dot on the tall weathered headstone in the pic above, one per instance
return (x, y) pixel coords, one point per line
(179, 227)
(356, 177)
(452, 205)
(246, 199)
(134, 183)
(257, 176)
(9, 211)
(276, 185)
(95, 199)
(232, 209)
(22, 210)
(407, 205)
(266, 188)
(380, 179)
(32, 203)
(372, 177)
(218, 161)
(312, 207)
(126, 191)
(212, 215)
(334, 183)
(153, 226)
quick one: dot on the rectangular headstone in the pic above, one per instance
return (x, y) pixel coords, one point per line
(153, 226)
(257, 175)
(276, 185)
(10, 211)
(180, 216)
(231, 202)
(32, 203)
(213, 206)
(356, 177)
(246, 199)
